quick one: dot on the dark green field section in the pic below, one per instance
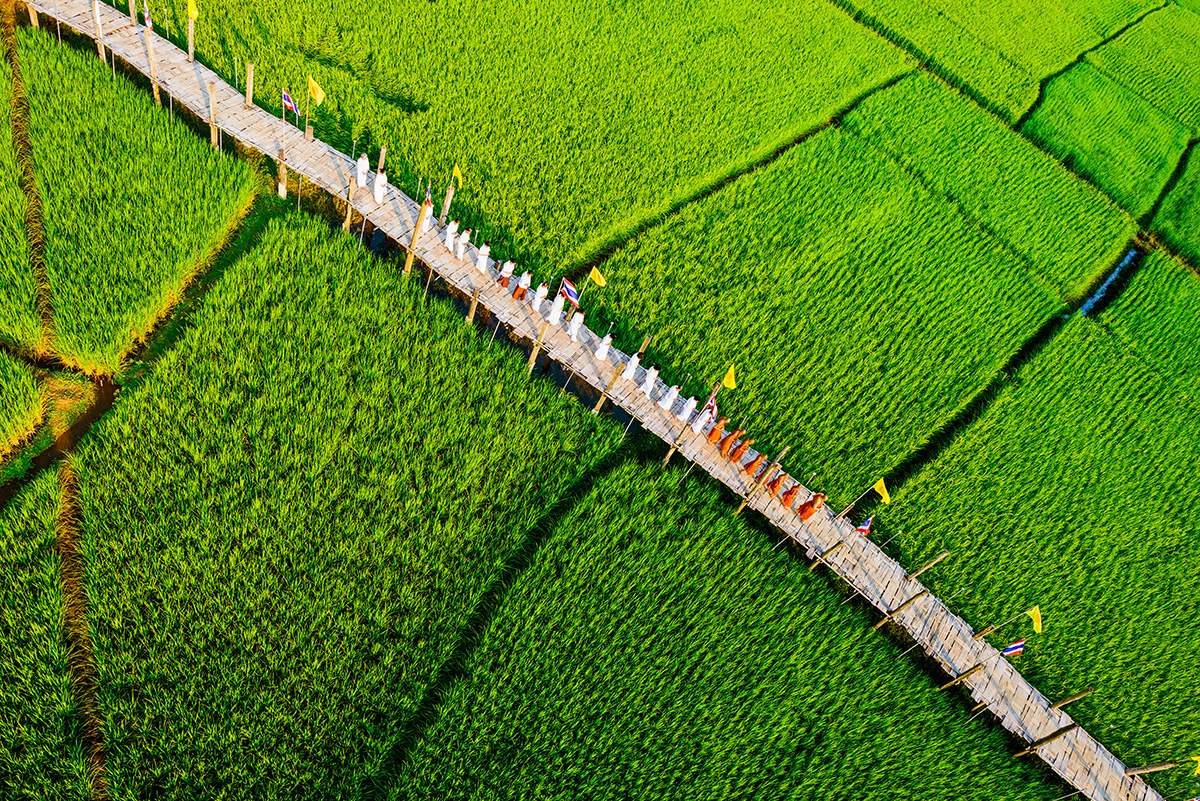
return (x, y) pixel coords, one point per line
(41, 755)
(134, 203)
(658, 648)
(999, 51)
(19, 323)
(1076, 490)
(1110, 135)
(572, 121)
(291, 523)
(866, 286)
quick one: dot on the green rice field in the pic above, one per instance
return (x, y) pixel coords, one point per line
(19, 322)
(22, 404)
(1075, 491)
(289, 525)
(40, 753)
(130, 224)
(658, 648)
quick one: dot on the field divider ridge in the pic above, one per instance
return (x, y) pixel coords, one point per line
(1077, 757)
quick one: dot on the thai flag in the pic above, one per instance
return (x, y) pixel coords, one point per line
(865, 528)
(1014, 649)
(146, 11)
(571, 292)
(428, 199)
(288, 103)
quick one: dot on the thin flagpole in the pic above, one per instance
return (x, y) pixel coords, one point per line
(586, 281)
(307, 101)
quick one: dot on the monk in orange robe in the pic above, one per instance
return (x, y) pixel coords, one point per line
(717, 431)
(789, 497)
(752, 466)
(811, 506)
(737, 453)
(727, 443)
(776, 484)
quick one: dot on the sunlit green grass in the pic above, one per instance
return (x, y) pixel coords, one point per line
(21, 403)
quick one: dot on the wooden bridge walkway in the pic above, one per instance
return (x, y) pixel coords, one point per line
(1076, 756)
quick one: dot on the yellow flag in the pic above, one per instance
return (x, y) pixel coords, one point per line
(1036, 614)
(457, 174)
(729, 382)
(193, 12)
(315, 92)
(597, 278)
(882, 490)
(1197, 771)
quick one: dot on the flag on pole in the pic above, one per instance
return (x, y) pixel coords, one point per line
(597, 278)
(865, 528)
(1014, 649)
(288, 103)
(571, 292)
(711, 405)
(1036, 614)
(457, 175)
(193, 12)
(429, 197)
(729, 382)
(881, 488)
(1197, 771)
(146, 12)
(315, 91)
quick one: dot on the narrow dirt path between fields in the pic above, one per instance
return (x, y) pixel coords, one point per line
(1079, 60)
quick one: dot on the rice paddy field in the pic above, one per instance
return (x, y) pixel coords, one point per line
(658, 648)
(22, 404)
(290, 526)
(1076, 491)
(836, 275)
(40, 752)
(572, 122)
(134, 204)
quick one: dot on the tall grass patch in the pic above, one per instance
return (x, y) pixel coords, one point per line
(40, 753)
(289, 524)
(657, 648)
(1076, 491)
(572, 121)
(1178, 218)
(134, 203)
(22, 404)
(19, 323)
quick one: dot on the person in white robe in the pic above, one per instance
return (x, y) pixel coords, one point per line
(602, 351)
(667, 401)
(362, 167)
(380, 186)
(542, 292)
(523, 286)
(631, 367)
(451, 235)
(482, 259)
(506, 273)
(460, 247)
(573, 326)
(648, 384)
(556, 309)
(685, 413)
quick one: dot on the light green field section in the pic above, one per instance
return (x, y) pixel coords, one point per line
(572, 121)
(22, 405)
(19, 323)
(1109, 135)
(657, 648)
(1076, 491)
(41, 753)
(134, 202)
(1178, 219)
(290, 523)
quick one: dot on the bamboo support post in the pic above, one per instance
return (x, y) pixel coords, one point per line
(1151, 768)
(421, 217)
(382, 156)
(474, 306)
(766, 474)
(191, 40)
(446, 205)
(154, 68)
(960, 677)
(249, 84)
(979, 706)
(212, 114)
(1049, 738)
(608, 389)
(821, 558)
(898, 610)
(99, 29)
(927, 565)
(33, 19)
(537, 347)
(984, 633)
(349, 206)
(133, 11)
(1070, 699)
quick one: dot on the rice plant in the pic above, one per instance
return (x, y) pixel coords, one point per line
(22, 404)
(658, 648)
(1077, 491)
(290, 522)
(134, 203)
(40, 754)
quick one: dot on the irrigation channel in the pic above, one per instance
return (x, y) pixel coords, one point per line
(971, 662)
